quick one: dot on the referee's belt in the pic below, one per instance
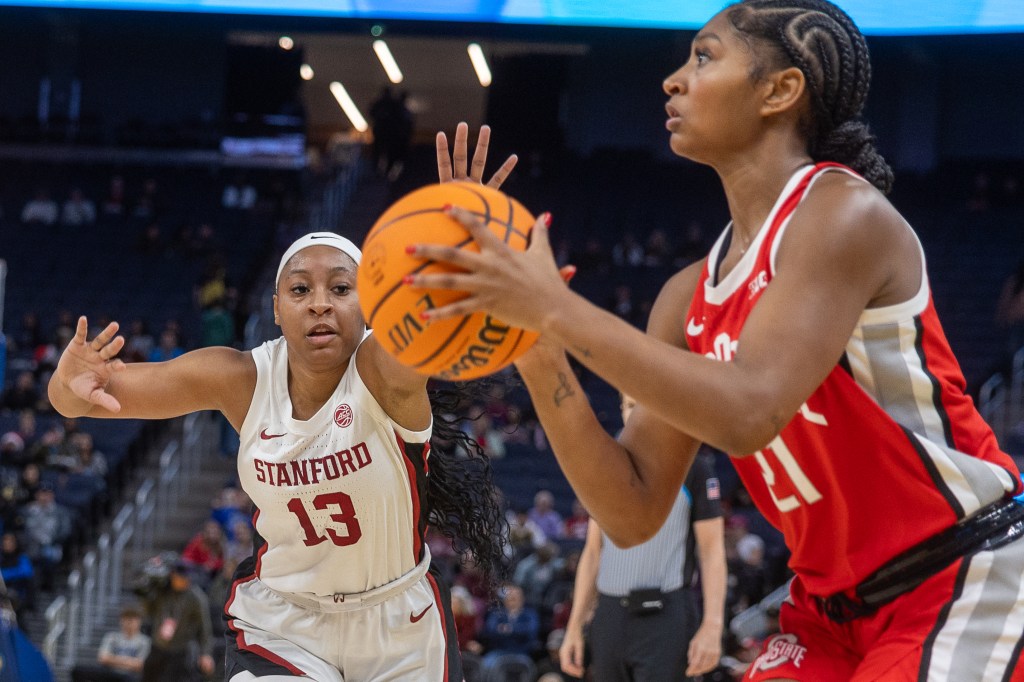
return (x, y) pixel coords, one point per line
(992, 526)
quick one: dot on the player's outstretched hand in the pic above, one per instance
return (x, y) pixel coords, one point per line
(85, 367)
(453, 166)
(521, 288)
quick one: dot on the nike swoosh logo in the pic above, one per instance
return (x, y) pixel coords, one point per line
(267, 436)
(413, 618)
(694, 329)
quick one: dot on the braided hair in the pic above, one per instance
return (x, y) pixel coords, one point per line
(461, 500)
(820, 39)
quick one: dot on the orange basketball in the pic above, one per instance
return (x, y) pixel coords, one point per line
(456, 349)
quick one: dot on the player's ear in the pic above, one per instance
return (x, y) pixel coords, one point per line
(277, 314)
(783, 90)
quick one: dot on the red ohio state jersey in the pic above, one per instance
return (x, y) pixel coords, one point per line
(886, 452)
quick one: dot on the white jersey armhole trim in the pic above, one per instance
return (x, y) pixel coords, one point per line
(261, 358)
(912, 307)
(408, 435)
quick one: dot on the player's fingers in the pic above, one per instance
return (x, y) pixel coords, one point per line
(444, 159)
(460, 308)
(81, 330)
(539, 239)
(110, 350)
(502, 173)
(448, 281)
(104, 400)
(453, 255)
(483, 236)
(104, 337)
(483, 141)
(460, 153)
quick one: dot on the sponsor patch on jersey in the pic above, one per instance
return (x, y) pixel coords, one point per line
(714, 489)
(779, 650)
(343, 415)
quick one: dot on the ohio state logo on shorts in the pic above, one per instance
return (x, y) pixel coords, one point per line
(779, 650)
(343, 415)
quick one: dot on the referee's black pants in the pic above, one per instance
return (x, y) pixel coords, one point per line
(627, 647)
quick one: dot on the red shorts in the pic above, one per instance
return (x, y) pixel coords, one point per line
(965, 624)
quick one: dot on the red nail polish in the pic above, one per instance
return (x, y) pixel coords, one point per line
(447, 208)
(407, 279)
(424, 315)
(410, 248)
(547, 219)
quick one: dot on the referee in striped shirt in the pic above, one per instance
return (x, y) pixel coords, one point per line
(644, 621)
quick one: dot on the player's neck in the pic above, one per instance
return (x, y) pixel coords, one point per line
(753, 185)
(308, 390)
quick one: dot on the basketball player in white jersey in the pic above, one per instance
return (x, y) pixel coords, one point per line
(335, 454)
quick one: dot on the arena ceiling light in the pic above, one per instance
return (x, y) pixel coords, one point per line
(483, 71)
(285, 43)
(306, 72)
(387, 60)
(348, 106)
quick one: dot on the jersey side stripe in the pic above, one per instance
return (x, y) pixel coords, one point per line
(938, 662)
(940, 409)
(414, 458)
(933, 471)
(444, 613)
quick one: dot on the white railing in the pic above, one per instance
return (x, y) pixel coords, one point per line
(98, 584)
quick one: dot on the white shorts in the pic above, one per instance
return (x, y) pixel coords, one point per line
(403, 631)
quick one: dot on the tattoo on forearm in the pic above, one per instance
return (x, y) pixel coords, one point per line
(564, 390)
(581, 351)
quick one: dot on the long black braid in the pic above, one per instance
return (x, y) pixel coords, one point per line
(462, 501)
(820, 39)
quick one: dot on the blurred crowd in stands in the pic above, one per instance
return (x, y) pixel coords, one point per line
(59, 476)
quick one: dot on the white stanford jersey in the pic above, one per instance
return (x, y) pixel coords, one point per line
(337, 497)
(886, 452)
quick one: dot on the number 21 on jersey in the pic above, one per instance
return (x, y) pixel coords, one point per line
(804, 488)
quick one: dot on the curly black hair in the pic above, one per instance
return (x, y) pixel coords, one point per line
(822, 41)
(462, 500)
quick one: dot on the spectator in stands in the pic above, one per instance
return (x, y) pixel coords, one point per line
(169, 348)
(205, 551)
(88, 461)
(467, 620)
(150, 240)
(628, 252)
(12, 447)
(238, 545)
(29, 336)
(549, 668)
(481, 429)
(239, 195)
(41, 210)
(121, 653)
(23, 394)
(1010, 310)
(179, 614)
(18, 574)
(512, 627)
(543, 514)
(113, 205)
(48, 526)
(536, 572)
(148, 206)
(657, 250)
(28, 485)
(139, 344)
(78, 210)
(576, 525)
(524, 535)
(231, 507)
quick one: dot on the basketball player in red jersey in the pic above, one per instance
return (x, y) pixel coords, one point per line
(807, 346)
(334, 451)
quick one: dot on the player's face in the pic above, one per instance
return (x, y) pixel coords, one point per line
(712, 107)
(317, 306)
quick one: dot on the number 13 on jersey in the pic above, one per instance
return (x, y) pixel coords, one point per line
(804, 488)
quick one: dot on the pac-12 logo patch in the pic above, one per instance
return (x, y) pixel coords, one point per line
(343, 415)
(779, 650)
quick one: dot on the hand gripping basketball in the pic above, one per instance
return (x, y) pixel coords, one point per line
(466, 346)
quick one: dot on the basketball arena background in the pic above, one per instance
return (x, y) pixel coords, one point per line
(156, 156)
